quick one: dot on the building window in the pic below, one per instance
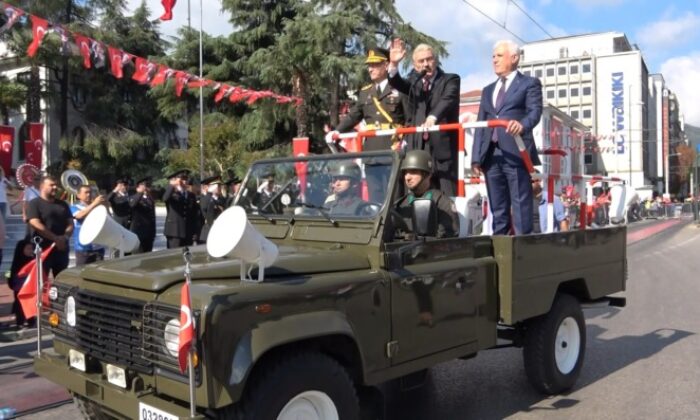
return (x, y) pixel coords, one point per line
(586, 91)
(563, 52)
(550, 72)
(574, 92)
(573, 69)
(561, 71)
(538, 73)
(588, 159)
(586, 68)
(574, 114)
(562, 93)
(550, 94)
(586, 113)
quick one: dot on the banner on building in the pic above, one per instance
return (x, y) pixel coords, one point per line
(34, 145)
(7, 139)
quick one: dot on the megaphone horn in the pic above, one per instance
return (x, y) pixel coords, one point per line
(232, 235)
(99, 228)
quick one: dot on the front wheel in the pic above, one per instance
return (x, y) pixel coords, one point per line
(309, 386)
(555, 345)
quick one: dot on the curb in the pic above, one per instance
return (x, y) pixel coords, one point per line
(10, 335)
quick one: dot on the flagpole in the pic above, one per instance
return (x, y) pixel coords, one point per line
(201, 97)
(191, 351)
(39, 292)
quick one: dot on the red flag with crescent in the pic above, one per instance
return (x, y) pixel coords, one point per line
(83, 44)
(144, 70)
(181, 79)
(186, 327)
(39, 28)
(116, 62)
(224, 91)
(168, 6)
(7, 139)
(27, 294)
(162, 75)
(34, 144)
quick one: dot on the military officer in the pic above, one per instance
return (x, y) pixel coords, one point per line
(119, 202)
(381, 107)
(212, 204)
(180, 221)
(233, 185)
(143, 215)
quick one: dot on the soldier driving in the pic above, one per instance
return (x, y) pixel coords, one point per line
(346, 200)
(380, 107)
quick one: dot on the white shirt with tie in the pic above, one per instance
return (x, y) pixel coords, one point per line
(509, 80)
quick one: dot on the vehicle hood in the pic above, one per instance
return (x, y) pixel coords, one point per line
(158, 270)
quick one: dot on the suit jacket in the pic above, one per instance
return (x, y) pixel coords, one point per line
(522, 102)
(143, 216)
(180, 221)
(441, 101)
(211, 209)
(365, 109)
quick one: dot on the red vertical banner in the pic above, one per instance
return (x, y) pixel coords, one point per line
(300, 147)
(34, 144)
(556, 133)
(7, 139)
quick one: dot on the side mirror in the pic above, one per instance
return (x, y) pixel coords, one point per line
(424, 217)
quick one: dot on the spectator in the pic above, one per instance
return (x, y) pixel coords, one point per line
(85, 254)
(24, 252)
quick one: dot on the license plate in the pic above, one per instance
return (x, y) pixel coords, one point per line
(147, 412)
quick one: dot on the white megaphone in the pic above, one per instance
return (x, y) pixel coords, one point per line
(232, 235)
(618, 203)
(99, 228)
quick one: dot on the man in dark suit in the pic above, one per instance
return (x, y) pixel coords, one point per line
(180, 221)
(212, 204)
(143, 215)
(517, 98)
(432, 97)
(119, 202)
(380, 107)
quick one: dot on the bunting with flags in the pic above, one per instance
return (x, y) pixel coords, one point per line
(27, 294)
(39, 28)
(83, 44)
(116, 62)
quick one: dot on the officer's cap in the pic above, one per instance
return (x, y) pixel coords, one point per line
(216, 179)
(146, 180)
(377, 55)
(182, 173)
(234, 180)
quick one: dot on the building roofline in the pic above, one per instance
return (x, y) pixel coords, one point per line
(576, 36)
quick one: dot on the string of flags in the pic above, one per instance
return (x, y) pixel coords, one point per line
(95, 55)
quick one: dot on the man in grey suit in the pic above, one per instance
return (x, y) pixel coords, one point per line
(518, 99)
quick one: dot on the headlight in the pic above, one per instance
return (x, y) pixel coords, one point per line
(171, 336)
(70, 311)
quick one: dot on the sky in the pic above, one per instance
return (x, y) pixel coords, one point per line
(667, 32)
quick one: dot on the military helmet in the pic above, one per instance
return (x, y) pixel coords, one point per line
(418, 159)
(348, 169)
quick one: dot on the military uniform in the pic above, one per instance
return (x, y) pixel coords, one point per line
(143, 218)
(447, 218)
(211, 206)
(180, 221)
(381, 107)
(119, 202)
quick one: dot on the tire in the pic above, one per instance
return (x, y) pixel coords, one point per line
(305, 386)
(555, 345)
(89, 409)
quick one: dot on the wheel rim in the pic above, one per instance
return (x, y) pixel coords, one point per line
(567, 345)
(311, 405)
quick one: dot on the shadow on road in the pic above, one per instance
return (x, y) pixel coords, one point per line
(494, 386)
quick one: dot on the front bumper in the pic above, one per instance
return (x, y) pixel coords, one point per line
(118, 402)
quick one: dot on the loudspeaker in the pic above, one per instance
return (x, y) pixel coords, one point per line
(618, 204)
(99, 228)
(232, 235)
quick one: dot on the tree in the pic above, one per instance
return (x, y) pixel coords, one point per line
(12, 96)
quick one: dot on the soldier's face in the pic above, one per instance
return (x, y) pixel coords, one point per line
(341, 184)
(414, 178)
(377, 71)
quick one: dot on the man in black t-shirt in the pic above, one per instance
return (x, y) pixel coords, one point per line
(52, 220)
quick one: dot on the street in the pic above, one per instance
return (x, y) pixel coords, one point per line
(641, 361)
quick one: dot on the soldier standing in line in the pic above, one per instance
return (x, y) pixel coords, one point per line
(180, 221)
(381, 107)
(212, 204)
(143, 215)
(233, 185)
(119, 202)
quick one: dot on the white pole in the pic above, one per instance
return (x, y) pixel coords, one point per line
(39, 292)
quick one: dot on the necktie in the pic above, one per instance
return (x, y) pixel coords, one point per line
(426, 88)
(379, 91)
(499, 102)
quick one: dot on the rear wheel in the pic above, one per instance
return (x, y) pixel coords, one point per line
(555, 345)
(306, 386)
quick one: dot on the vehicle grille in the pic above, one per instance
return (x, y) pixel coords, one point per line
(109, 329)
(63, 331)
(155, 317)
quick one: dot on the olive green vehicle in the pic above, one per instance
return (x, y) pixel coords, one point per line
(348, 306)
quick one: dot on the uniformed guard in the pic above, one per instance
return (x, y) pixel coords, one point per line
(416, 170)
(232, 185)
(380, 107)
(180, 221)
(212, 203)
(119, 202)
(143, 215)
(346, 200)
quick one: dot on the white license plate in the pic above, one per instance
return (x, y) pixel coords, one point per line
(147, 412)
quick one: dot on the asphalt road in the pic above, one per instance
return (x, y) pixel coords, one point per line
(642, 362)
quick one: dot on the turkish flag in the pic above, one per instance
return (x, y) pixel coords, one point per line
(168, 6)
(239, 95)
(116, 62)
(34, 144)
(83, 44)
(300, 147)
(181, 79)
(7, 139)
(197, 82)
(186, 327)
(39, 28)
(144, 70)
(28, 292)
(224, 91)
(162, 75)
